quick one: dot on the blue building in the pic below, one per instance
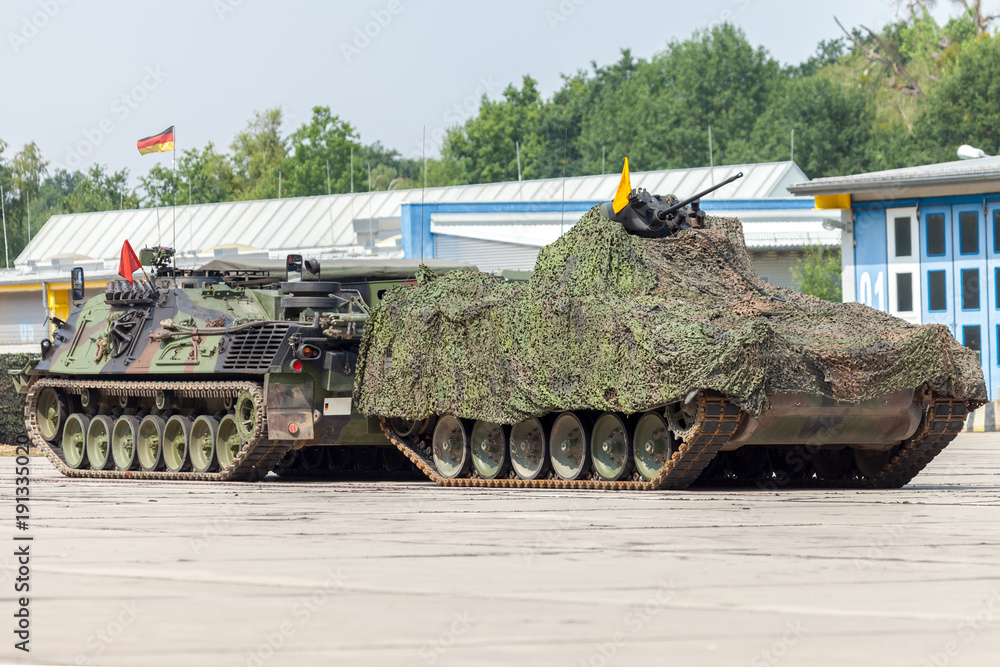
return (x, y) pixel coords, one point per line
(923, 243)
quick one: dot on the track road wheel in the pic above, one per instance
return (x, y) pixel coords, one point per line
(314, 458)
(99, 442)
(529, 451)
(229, 442)
(569, 447)
(123, 443)
(341, 458)
(176, 441)
(871, 462)
(204, 434)
(245, 415)
(653, 444)
(51, 412)
(789, 464)
(610, 447)
(833, 464)
(489, 450)
(150, 443)
(89, 401)
(407, 430)
(450, 447)
(74, 441)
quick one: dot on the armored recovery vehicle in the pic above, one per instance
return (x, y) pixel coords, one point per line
(221, 373)
(645, 352)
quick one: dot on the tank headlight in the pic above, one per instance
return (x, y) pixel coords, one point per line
(297, 366)
(308, 352)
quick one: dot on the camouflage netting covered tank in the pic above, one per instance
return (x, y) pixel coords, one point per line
(639, 362)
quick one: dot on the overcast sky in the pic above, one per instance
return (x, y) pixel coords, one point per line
(86, 79)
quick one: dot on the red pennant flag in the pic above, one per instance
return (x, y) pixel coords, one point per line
(129, 263)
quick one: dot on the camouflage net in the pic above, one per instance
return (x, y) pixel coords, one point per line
(11, 402)
(611, 321)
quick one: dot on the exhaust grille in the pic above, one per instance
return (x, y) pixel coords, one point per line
(255, 349)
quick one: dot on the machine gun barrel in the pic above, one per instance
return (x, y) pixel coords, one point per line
(679, 205)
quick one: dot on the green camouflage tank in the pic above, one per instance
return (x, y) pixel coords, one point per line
(651, 319)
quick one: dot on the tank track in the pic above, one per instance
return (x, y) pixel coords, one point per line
(717, 420)
(253, 461)
(943, 420)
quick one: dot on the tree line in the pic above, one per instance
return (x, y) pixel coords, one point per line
(908, 93)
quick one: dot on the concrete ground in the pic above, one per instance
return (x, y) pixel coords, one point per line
(284, 573)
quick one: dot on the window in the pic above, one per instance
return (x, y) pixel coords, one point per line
(904, 292)
(996, 285)
(935, 235)
(968, 233)
(936, 299)
(970, 289)
(996, 230)
(903, 244)
(971, 338)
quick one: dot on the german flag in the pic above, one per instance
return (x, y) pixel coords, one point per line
(158, 143)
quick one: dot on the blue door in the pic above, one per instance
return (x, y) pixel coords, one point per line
(971, 286)
(937, 266)
(991, 352)
(870, 259)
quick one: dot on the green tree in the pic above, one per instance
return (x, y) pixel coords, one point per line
(101, 190)
(29, 169)
(485, 146)
(258, 153)
(716, 78)
(202, 177)
(832, 124)
(962, 108)
(817, 273)
(324, 142)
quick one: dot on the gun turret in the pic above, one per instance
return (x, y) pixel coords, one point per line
(653, 216)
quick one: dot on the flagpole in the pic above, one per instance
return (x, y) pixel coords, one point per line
(174, 207)
(3, 211)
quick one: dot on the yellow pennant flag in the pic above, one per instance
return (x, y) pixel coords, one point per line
(624, 189)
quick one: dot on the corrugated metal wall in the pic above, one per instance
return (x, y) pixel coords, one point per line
(22, 316)
(776, 267)
(489, 256)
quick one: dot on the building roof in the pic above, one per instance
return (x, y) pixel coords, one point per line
(979, 174)
(762, 229)
(330, 220)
